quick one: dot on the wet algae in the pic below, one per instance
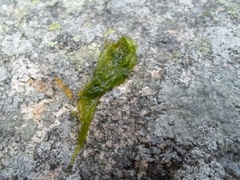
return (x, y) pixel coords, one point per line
(115, 63)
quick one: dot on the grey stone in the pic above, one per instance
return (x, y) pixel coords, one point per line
(3, 74)
(176, 117)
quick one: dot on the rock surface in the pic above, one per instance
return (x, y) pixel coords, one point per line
(176, 117)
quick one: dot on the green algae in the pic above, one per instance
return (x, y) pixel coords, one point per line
(108, 32)
(204, 46)
(52, 43)
(115, 63)
(54, 26)
(231, 7)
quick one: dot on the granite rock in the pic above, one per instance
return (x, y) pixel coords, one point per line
(176, 117)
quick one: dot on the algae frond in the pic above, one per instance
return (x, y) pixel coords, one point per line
(115, 63)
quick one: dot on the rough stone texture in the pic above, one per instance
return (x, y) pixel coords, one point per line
(176, 117)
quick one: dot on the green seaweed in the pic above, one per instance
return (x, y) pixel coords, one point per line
(114, 65)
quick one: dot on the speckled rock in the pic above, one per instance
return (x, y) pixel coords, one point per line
(176, 117)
